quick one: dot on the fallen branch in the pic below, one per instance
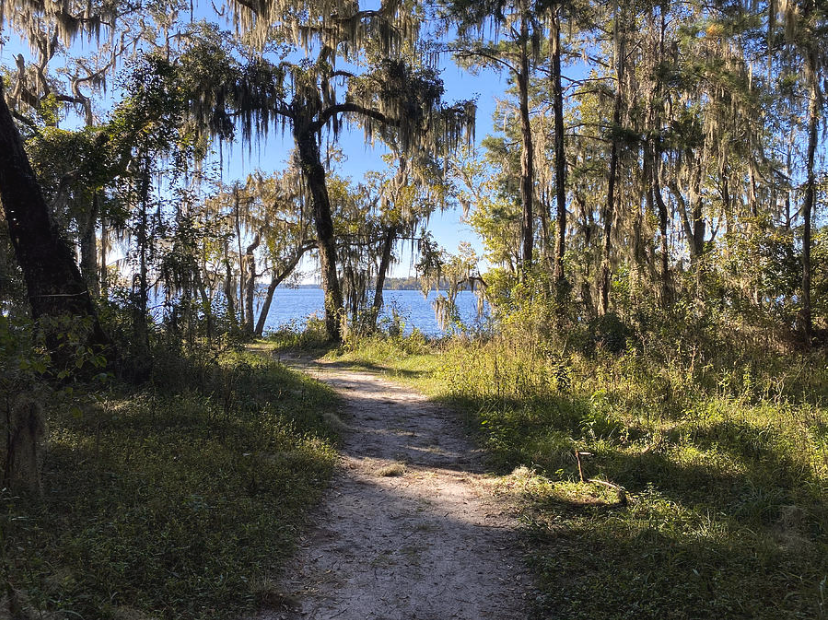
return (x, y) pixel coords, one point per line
(622, 492)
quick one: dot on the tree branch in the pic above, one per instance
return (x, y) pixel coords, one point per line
(348, 108)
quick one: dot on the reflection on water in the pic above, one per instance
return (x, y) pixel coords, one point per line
(293, 306)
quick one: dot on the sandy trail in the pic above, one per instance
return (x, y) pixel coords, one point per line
(410, 527)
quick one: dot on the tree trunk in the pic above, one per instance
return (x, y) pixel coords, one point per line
(809, 197)
(228, 287)
(315, 176)
(141, 292)
(384, 265)
(661, 207)
(752, 192)
(54, 284)
(89, 251)
(725, 193)
(527, 151)
(250, 276)
(656, 170)
(560, 148)
(276, 281)
(240, 259)
(609, 208)
(102, 273)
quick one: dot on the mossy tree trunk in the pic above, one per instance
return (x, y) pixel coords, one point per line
(314, 175)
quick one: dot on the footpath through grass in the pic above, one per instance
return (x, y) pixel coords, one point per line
(178, 501)
(721, 463)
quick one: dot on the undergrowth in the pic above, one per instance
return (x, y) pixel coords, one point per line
(719, 453)
(179, 500)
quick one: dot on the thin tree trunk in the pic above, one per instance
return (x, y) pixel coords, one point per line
(527, 151)
(698, 248)
(384, 265)
(752, 192)
(315, 176)
(609, 208)
(228, 287)
(560, 148)
(142, 336)
(205, 298)
(661, 207)
(240, 259)
(89, 251)
(787, 202)
(103, 276)
(277, 279)
(656, 170)
(725, 191)
(54, 284)
(809, 197)
(250, 277)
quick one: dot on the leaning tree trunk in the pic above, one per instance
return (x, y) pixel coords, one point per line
(384, 265)
(54, 284)
(277, 278)
(313, 171)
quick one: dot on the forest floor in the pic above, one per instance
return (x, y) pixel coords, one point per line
(412, 526)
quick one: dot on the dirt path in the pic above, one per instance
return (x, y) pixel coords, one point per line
(410, 528)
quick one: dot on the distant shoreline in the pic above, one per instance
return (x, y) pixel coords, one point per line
(390, 284)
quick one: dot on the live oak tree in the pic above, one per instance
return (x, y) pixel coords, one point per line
(312, 96)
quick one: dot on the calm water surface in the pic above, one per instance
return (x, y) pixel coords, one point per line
(292, 307)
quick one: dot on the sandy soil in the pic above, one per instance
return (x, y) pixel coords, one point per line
(410, 527)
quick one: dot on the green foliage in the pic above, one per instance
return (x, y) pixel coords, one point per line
(176, 501)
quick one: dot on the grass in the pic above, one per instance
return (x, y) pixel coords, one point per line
(412, 360)
(723, 458)
(171, 502)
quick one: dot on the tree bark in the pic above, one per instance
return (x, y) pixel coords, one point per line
(527, 151)
(809, 197)
(228, 287)
(277, 279)
(250, 276)
(54, 285)
(664, 218)
(560, 148)
(89, 251)
(315, 177)
(142, 290)
(384, 265)
(609, 207)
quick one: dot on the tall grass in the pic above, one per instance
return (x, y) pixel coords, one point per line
(720, 452)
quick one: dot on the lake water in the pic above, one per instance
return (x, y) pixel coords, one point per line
(291, 307)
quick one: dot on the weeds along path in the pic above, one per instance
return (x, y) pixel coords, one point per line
(410, 527)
